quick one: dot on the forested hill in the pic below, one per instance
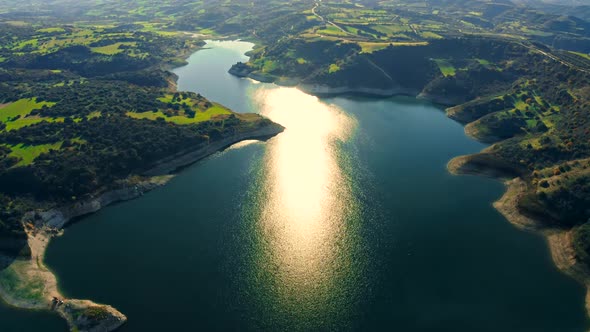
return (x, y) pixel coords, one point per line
(83, 81)
(556, 23)
(88, 109)
(532, 101)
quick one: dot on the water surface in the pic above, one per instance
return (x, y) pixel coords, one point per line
(346, 221)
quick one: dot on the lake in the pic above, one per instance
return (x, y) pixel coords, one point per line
(348, 220)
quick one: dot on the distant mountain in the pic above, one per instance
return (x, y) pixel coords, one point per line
(577, 8)
(555, 2)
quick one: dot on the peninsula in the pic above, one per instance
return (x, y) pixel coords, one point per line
(98, 125)
(90, 114)
(528, 100)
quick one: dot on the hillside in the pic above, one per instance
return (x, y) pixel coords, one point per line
(88, 107)
(534, 106)
(83, 110)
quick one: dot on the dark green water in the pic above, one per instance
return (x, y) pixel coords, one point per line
(346, 221)
(16, 320)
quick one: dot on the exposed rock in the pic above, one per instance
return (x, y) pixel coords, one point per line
(87, 316)
(84, 315)
(261, 77)
(240, 69)
(57, 218)
(186, 158)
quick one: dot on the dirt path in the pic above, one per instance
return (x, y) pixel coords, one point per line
(316, 5)
(380, 69)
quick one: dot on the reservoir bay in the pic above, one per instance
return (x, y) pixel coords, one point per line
(348, 220)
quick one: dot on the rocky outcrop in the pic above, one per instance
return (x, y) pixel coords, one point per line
(240, 69)
(188, 157)
(90, 317)
(85, 315)
(57, 218)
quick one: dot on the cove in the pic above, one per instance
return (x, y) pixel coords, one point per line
(348, 220)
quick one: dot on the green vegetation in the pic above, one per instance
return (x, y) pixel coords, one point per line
(183, 119)
(446, 68)
(367, 47)
(85, 107)
(333, 68)
(111, 49)
(21, 108)
(582, 243)
(27, 153)
(14, 280)
(510, 92)
(87, 85)
(95, 313)
(583, 55)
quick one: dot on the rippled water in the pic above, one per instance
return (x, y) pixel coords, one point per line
(346, 221)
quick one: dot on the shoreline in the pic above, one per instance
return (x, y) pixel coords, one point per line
(41, 226)
(324, 90)
(41, 284)
(559, 241)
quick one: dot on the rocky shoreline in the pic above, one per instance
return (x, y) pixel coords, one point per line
(324, 90)
(42, 226)
(186, 158)
(559, 241)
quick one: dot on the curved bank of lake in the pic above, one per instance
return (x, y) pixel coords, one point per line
(347, 220)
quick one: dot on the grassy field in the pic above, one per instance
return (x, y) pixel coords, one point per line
(200, 116)
(112, 49)
(28, 153)
(331, 31)
(368, 47)
(21, 107)
(583, 55)
(15, 115)
(23, 122)
(446, 68)
(19, 285)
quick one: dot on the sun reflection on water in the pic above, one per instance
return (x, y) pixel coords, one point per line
(304, 204)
